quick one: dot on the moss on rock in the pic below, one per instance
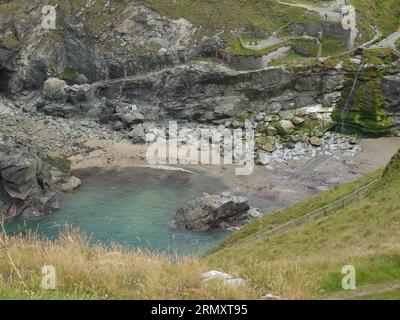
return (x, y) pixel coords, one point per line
(366, 114)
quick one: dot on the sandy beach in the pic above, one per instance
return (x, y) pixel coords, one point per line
(285, 182)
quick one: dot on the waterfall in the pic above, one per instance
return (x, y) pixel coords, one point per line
(347, 105)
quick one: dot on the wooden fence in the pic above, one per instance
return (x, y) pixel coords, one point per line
(324, 211)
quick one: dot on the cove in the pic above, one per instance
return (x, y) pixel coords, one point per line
(132, 207)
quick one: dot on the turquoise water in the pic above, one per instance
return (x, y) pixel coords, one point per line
(132, 207)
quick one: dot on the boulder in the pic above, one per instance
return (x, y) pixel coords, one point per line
(214, 212)
(5, 111)
(286, 115)
(263, 158)
(297, 121)
(117, 125)
(269, 147)
(272, 131)
(56, 176)
(270, 296)
(224, 277)
(315, 141)
(285, 127)
(318, 108)
(137, 134)
(55, 89)
(133, 117)
(26, 185)
(72, 184)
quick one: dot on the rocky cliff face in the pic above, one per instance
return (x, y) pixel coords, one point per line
(125, 64)
(25, 183)
(147, 54)
(98, 39)
(391, 92)
(204, 92)
(214, 93)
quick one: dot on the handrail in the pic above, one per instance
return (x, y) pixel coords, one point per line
(324, 211)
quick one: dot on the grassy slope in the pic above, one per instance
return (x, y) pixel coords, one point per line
(215, 15)
(85, 272)
(306, 262)
(269, 15)
(303, 263)
(383, 13)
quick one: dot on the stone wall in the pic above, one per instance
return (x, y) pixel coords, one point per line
(245, 62)
(329, 29)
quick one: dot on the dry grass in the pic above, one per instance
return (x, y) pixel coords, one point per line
(95, 272)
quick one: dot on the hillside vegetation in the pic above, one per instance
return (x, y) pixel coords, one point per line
(385, 14)
(303, 263)
(306, 262)
(270, 15)
(226, 15)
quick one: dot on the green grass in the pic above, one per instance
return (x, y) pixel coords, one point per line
(214, 15)
(268, 15)
(331, 62)
(332, 46)
(378, 56)
(290, 58)
(366, 114)
(304, 47)
(236, 48)
(383, 13)
(67, 74)
(306, 262)
(64, 165)
(295, 211)
(371, 269)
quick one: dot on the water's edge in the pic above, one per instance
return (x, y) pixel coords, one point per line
(133, 207)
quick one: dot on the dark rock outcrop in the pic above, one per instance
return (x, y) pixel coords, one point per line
(391, 92)
(214, 212)
(204, 92)
(25, 183)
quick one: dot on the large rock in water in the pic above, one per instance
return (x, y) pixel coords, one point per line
(214, 212)
(25, 184)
